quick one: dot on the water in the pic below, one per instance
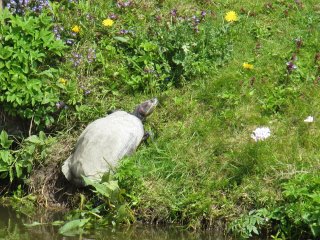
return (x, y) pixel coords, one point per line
(12, 228)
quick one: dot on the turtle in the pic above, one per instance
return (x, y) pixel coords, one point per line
(105, 141)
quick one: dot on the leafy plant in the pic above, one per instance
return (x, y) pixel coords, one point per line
(279, 98)
(166, 52)
(29, 54)
(106, 207)
(6, 158)
(246, 225)
(17, 164)
(301, 208)
(299, 212)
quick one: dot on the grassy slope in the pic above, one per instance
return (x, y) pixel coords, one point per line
(202, 164)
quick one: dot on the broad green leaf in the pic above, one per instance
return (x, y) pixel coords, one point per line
(121, 39)
(18, 170)
(99, 187)
(4, 167)
(42, 136)
(112, 185)
(73, 227)
(148, 46)
(34, 139)
(5, 156)
(6, 53)
(49, 120)
(255, 230)
(4, 141)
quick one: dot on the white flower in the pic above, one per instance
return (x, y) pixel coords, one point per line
(309, 119)
(261, 133)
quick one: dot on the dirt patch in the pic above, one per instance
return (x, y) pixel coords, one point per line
(47, 181)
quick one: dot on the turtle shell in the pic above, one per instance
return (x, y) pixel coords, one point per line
(101, 145)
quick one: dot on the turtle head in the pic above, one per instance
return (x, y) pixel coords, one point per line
(144, 109)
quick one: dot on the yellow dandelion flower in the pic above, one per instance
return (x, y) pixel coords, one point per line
(231, 16)
(107, 22)
(247, 66)
(62, 81)
(75, 29)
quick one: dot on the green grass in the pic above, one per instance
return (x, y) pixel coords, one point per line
(201, 165)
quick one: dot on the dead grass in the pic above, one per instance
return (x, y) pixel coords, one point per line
(47, 182)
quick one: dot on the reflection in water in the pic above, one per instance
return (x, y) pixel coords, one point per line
(12, 228)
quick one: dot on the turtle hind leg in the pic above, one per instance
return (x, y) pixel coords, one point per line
(145, 136)
(66, 169)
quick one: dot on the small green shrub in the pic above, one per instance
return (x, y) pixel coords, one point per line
(248, 224)
(298, 213)
(29, 54)
(17, 164)
(106, 207)
(301, 207)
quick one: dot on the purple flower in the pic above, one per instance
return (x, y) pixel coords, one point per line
(69, 42)
(123, 31)
(174, 12)
(60, 104)
(85, 91)
(113, 16)
(203, 13)
(89, 17)
(127, 4)
(121, 4)
(91, 55)
(76, 59)
(57, 30)
(291, 66)
(196, 20)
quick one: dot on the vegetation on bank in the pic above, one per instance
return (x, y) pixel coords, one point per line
(221, 69)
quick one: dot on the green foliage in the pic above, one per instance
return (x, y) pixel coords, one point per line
(6, 159)
(299, 212)
(73, 227)
(170, 51)
(249, 224)
(301, 207)
(278, 99)
(17, 164)
(29, 54)
(106, 207)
